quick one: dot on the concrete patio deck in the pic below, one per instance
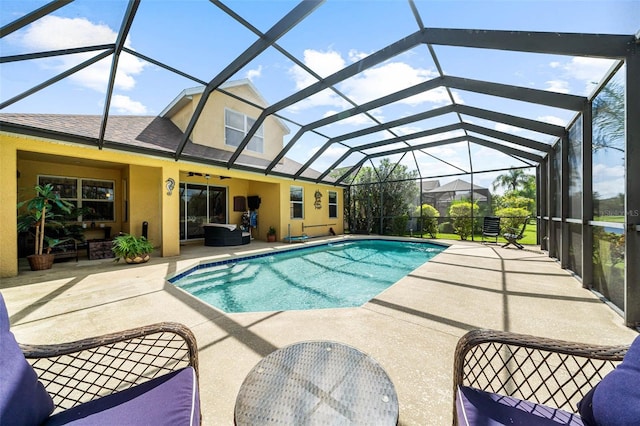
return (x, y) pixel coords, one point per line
(411, 329)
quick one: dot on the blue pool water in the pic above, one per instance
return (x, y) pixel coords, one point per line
(345, 274)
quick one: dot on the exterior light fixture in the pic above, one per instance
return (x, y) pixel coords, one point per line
(170, 184)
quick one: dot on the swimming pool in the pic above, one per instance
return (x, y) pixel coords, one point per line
(344, 274)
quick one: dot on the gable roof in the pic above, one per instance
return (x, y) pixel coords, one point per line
(456, 185)
(185, 97)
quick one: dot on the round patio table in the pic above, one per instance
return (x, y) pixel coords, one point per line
(317, 382)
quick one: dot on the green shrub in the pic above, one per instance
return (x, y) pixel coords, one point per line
(400, 224)
(512, 219)
(460, 213)
(130, 246)
(445, 228)
(428, 221)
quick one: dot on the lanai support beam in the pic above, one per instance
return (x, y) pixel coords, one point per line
(525, 123)
(380, 56)
(632, 190)
(377, 103)
(281, 27)
(33, 16)
(127, 21)
(587, 197)
(518, 93)
(569, 44)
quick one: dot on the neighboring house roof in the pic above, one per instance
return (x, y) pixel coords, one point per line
(154, 135)
(428, 185)
(456, 185)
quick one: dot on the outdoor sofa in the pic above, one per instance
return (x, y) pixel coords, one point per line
(147, 375)
(224, 234)
(515, 379)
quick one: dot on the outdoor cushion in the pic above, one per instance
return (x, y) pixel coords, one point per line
(229, 226)
(616, 399)
(477, 407)
(23, 399)
(171, 399)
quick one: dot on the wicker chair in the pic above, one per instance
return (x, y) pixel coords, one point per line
(77, 372)
(553, 373)
(126, 374)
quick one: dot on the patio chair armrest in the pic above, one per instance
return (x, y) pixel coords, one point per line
(547, 371)
(77, 372)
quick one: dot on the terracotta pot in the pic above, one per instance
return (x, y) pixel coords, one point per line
(138, 259)
(40, 262)
(271, 238)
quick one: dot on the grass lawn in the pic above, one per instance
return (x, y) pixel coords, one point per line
(528, 238)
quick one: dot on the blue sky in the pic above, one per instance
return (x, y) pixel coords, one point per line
(199, 39)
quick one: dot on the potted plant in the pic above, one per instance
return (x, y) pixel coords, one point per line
(131, 248)
(46, 208)
(271, 234)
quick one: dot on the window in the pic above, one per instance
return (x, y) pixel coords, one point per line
(95, 197)
(236, 127)
(297, 212)
(333, 204)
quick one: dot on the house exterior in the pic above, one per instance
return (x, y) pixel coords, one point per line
(442, 196)
(135, 179)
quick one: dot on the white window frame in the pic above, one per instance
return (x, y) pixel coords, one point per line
(79, 199)
(256, 144)
(329, 203)
(294, 202)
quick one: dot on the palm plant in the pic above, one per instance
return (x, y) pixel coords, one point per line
(511, 180)
(45, 207)
(608, 117)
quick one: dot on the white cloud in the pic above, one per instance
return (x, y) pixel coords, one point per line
(355, 56)
(608, 181)
(586, 70)
(255, 73)
(370, 84)
(552, 120)
(125, 105)
(323, 98)
(54, 33)
(501, 127)
(322, 63)
(559, 86)
(391, 77)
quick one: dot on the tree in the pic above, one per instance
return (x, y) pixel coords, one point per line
(384, 192)
(608, 117)
(510, 180)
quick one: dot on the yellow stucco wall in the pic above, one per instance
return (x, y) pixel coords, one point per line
(209, 130)
(8, 217)
(140, 181)
(269, 211)
(146, 201)
(316, 221)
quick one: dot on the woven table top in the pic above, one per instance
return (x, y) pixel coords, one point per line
(318, 383)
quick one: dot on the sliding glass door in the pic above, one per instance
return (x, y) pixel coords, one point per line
(200, 204)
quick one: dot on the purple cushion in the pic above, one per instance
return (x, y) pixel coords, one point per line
(23, 399)
(171, 399)
(616, 399)
(476, 407)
